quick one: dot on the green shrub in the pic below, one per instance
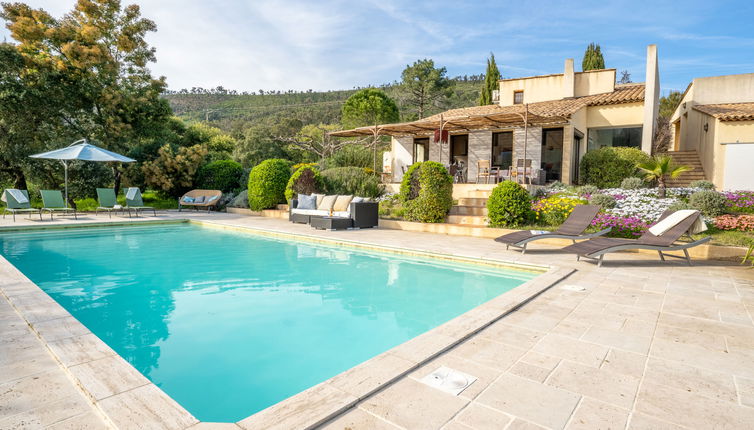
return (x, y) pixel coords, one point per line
(632, 183)
(605, 168)
(354, 181)
(305, 180)
(635, 155)
(679, 205)
(587, 190)
(392, 208)
(705, 185)
(223, 175)
(708, 202)
(427, 192)
(509, 205)
(267, 182)
(351, 156)
(606, 201)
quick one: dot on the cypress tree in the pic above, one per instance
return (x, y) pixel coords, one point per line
(491, 78)
(593, 59)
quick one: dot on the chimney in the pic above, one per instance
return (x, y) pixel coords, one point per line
(651, 99)
(568, 79)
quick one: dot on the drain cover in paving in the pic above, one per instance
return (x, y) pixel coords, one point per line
(449, 380)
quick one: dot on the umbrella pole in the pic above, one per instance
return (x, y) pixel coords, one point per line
(65, 169)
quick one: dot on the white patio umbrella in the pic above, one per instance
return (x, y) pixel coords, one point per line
(81, 150)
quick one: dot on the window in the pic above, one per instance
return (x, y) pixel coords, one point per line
(421, 149)
(518, 97)
(459, 148)
(552, 153)
(602, 137)
(502, 149)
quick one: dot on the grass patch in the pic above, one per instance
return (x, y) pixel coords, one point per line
(150, 198)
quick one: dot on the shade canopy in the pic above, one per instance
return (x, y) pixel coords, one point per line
(83, 150)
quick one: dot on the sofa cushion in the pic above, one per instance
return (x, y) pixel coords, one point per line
(187, 199)
(319, 199)
(327, 203)
(199, 199)
(341, 203)
(310, 212)
(342, 214)
(307, 202)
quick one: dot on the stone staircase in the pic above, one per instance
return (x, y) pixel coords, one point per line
(686, 158)
(471, 211)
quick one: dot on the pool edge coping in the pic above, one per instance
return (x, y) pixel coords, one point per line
(307, 409)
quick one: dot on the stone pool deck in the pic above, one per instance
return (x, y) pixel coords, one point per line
(636, 344)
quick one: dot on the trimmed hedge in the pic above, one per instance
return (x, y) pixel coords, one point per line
(708, 202)
(267, 182)
(509, 205)
(223, 175)
(606, 201)
(427, 192)
(354, 181)
(608, 167)
(305, 180)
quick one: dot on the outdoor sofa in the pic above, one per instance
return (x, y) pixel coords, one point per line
(200, 199)
(362, 212)
(662, 237)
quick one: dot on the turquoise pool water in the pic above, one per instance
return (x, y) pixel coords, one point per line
(228, 323)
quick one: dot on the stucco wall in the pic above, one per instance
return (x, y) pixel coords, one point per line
(551, 87)
(594, 82)
(724, 89)
(403, 155)
(480, 148)
(622, 115)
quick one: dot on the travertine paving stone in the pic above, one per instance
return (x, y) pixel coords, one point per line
(646, 345)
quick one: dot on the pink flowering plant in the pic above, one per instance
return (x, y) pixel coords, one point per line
(629, 227)
(735, 222)
(739, 201)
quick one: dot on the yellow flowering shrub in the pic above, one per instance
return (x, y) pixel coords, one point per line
(553, 210)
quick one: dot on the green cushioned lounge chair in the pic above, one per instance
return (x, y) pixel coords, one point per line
(108, 202)
(135, 202)
(17, 201)
(53, 202)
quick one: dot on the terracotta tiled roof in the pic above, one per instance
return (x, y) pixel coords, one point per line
(729, 111)
(495, 115)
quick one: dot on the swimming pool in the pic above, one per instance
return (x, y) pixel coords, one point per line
(228, 323)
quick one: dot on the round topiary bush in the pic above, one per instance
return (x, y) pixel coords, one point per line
(267, 182)
(223, 175)
(705, 185)
(509, 205)
(605, 168)
(427, 192)
(632, 183)
(708, 202)
(305, 180)
(354, 181)
(679, 205)
(606, 201)
(634, 155)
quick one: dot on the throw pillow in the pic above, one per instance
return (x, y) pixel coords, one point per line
(341, 203)
(187, 199)
(307, 202)
(319, 198)
(199, 199)
(327, 203)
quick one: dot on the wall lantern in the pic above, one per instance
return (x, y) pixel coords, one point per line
(706, 127)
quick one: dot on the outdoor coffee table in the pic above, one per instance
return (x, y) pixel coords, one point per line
(331, 223)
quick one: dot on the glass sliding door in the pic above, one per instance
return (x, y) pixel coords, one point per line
(552, 153)
(502, 149)
(624, 136)
(421, 149)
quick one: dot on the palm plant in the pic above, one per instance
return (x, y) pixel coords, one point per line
(660, 167)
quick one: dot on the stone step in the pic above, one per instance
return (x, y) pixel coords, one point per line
(472, 201)
(468, 210)
(483, 194)
(282, 208)
(467, 220)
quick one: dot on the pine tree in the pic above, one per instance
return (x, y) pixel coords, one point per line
(491, 78)
(593, 59)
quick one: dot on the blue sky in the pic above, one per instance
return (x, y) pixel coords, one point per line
(339, 44)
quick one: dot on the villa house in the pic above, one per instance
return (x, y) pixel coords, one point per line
(546, 122)
(715, 120)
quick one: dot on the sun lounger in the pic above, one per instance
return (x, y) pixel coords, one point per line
(108, 202)
(595, 249)
(573, 228)
(135, 202)
(200, 199)
(17, 201)
(52, 201)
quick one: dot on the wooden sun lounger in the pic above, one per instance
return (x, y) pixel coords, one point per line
(573, 228)
(595, 249)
